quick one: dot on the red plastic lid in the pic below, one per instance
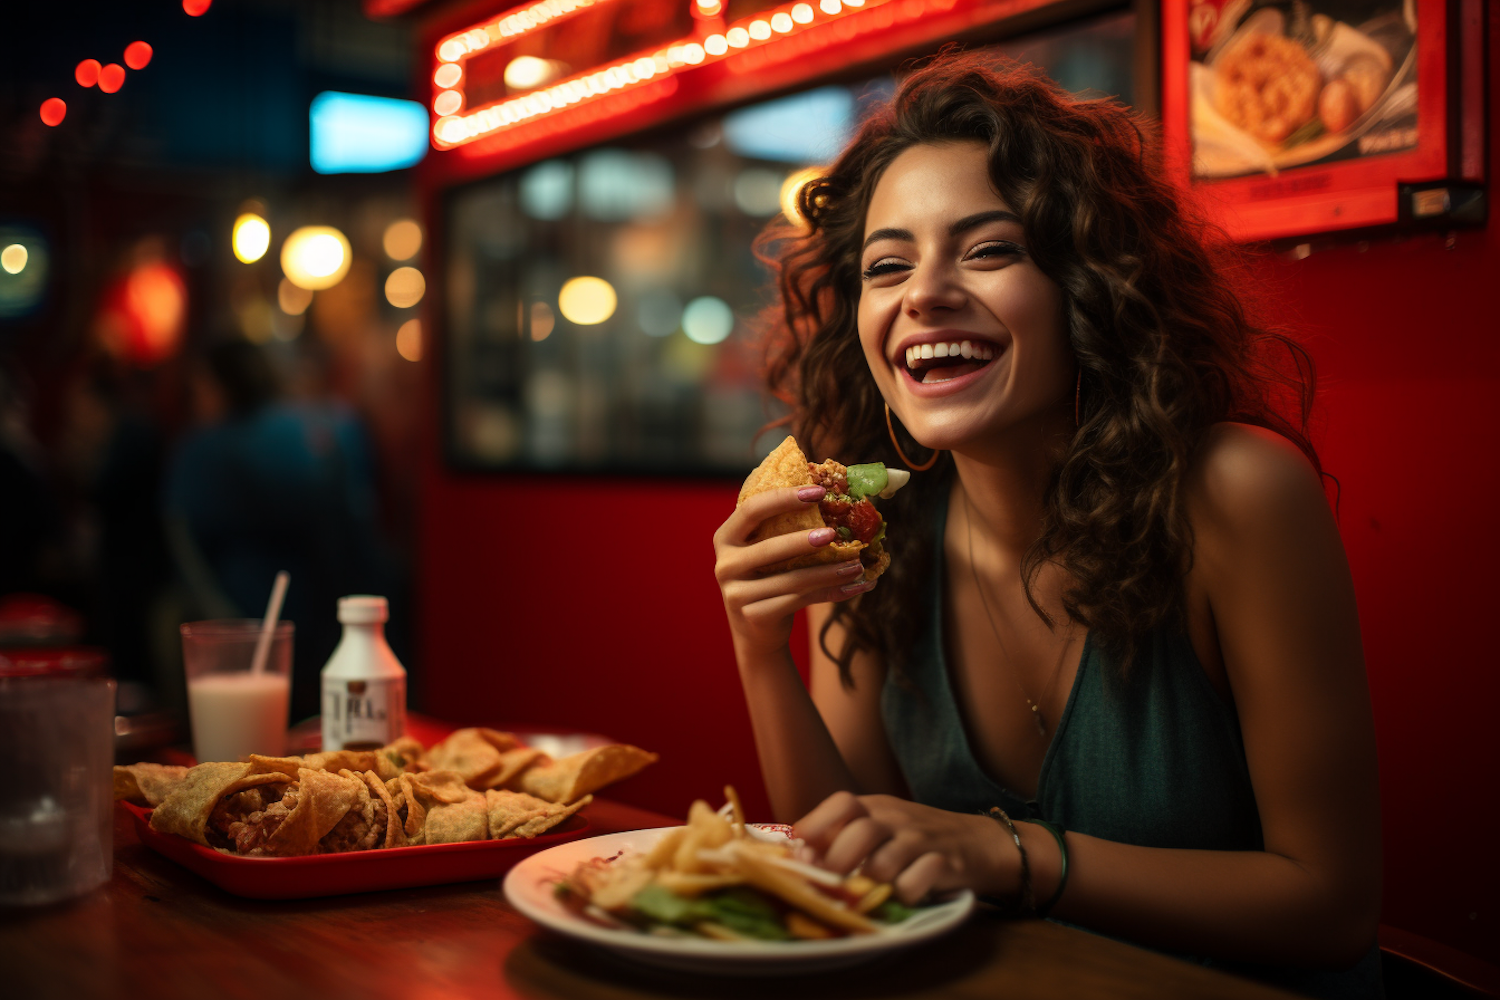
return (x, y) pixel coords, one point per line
(56, 661)
(35, 619)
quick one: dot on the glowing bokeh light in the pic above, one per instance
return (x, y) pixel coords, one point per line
(448, 102)
(13, 258)
(707, 320)
(360, 133)
(53, 111)
(196, 8)
(142, 315)
(111, 78)
(405, 287)
(402, 239)
(802, 13)
(830, 7)
(316, 257)
(587, 300)
(760, 30)
(137, 55)
(251, 237)
(716, 45)
(709, 8)
(782, 22)
(448, 75)
(292, 300)
(529, 72)
(542, 321)
(409, 340)
(737, 37)
(87, 73)
(791, 188)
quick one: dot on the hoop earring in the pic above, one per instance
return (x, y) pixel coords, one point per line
(1078, 400)
(909, 463)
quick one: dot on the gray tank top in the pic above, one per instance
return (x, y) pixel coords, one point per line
(1157, 760)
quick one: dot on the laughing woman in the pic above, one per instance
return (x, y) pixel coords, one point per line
(1113, 674)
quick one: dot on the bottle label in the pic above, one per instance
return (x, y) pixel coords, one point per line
(360, 715)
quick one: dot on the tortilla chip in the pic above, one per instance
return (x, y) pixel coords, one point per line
(147, 784)
(577, 775)
(473, 753)
(458, 822)
(186, 810)
(322, 800)
(289, 766)
(394, 836)
(343, 760)
(512, 763)
(516, 814)
(402, 755)
(787, 466)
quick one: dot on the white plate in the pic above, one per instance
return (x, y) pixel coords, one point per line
(530, 886)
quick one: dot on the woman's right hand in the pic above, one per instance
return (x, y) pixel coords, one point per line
(760, 606)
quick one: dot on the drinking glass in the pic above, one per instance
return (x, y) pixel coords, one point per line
(235, 712)
(56, 799)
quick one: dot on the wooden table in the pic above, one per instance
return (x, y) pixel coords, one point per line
(160, 931)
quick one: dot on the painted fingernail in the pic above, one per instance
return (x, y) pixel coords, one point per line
(811, 493)
(857, 588)
(821, 536)
(850, 568)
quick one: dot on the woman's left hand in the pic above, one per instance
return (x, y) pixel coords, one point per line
(917, 848)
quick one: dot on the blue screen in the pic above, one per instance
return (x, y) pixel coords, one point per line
(359, 134)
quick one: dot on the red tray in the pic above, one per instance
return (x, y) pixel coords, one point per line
(357, 871)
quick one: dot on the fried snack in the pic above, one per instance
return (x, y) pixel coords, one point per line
(187, 810)
(473, 753)
(516, 814)
(147, 784)
(394, 835)
(571, 778)
(323, 799)
(403, 754)
(426, 793)
(788, 466)
(1267, 85)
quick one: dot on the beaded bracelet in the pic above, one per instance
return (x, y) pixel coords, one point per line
(1062, 878)
(1025, 905)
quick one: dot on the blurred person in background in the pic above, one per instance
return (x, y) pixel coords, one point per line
(30, 529)
(263, 483)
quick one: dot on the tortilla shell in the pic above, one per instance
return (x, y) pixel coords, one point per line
(187, 809)
(516, 814)
(576, 775)
(148, 784)
(784, 467)
(322, 800)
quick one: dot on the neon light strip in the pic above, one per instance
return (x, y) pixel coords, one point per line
(454, 129)
(507, 28)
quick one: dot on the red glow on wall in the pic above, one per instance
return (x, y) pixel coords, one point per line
(137, 55)
(87, 73)
(196, 8)
(143, 314)
(53, 111)
(111, 78)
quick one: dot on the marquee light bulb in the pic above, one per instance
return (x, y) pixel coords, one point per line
(111, 78)
(53, 111)
(251, 237)
(87, 72)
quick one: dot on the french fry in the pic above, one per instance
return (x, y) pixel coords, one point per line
(806, 928)
(718, 932)
(736, 812)
(666, 848)
(691, 885)
(873, 898)
(796, 892)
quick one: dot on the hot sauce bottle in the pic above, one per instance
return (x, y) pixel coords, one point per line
(364, 685)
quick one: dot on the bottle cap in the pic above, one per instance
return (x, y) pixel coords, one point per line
(362, 609)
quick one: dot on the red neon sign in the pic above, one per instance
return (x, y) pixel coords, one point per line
(739, 44)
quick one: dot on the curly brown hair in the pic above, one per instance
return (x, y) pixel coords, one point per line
(1165, 346)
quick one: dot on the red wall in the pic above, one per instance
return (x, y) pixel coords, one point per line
(591, 604)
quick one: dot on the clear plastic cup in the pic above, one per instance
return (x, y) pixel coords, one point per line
(234, 712)
(57, 741)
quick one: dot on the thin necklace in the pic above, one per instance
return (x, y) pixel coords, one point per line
(1036, 710)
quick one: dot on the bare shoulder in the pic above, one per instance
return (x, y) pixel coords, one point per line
(1249, 479)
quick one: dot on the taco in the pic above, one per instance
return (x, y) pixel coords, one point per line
(847, 507)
